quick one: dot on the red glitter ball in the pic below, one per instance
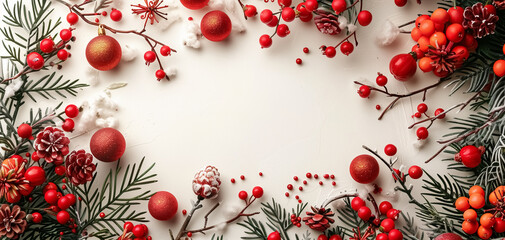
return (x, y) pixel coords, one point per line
(332, 176)
(287, 194)
(232, 180)
(316, 176)
(242, 177)
(320, 182)
(184, 212)
(326, 176)
(305, 182)
(297, 197)
(295, 178)
(300, 188)
(290, 187)
(261, 174)
(308, 175)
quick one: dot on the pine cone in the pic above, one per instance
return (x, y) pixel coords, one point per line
(52, 145)
(79, 167)
(499, 4)
(319, 219)
(12, 222)
(207, 182)
(327, 23)
(12, 181)
(479, 21)
(443, 60)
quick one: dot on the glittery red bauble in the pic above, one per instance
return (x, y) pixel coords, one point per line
(163, 206)
(364, 169)
(107, 144)
(448, 236)
(103, 53)
(216, 26)
(194, 4)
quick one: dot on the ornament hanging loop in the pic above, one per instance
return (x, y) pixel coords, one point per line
(101, 30)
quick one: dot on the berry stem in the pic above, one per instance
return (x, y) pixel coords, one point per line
(434, 118)
(347, 38)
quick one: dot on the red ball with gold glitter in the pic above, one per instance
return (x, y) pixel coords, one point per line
(364, 169)
(103, 52)
(107, 145)
(216, 26)
(163, 206)
(194, 4)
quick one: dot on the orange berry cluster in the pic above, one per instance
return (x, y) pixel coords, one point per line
(442, 30)
(486, 223)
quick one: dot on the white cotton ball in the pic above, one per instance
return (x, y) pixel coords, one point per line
(129, 53)
(92, 75)
(232, 211)
(387, 34)
(12, 88)
(171, 71)
(191, 34)
(351, 28)
(172, 17)
(342, 22)
(419, 143)
(217, 4)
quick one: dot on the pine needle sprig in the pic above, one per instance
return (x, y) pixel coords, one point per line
(255, 229)
(278, 218)
(409, 229)
(48, 85)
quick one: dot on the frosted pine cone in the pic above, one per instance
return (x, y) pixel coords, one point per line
(12, 222)
(52, 145)
(319, 219)
(479, 21)
(327, 22)
(499, 4)
(79, 167)
(207, 182)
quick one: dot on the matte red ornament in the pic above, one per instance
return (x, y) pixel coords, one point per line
(163, 206)
(364, 169)
(103, 52)
(107, 144)
(403, 66)
(216, 26)
(194, 4)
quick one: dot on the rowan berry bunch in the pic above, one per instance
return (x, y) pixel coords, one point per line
(137, 232)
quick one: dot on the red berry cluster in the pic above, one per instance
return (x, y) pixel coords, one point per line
(309, 176)
(48, 48)
(415, 172)
(151, 56)
(287, 13)
(59, 204)
(386, 225)
(257, 192)
(296, 220)
(137, 232)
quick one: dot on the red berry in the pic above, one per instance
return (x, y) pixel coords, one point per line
(295, 178)
(35, 61)
(346, 48)
(63, 217)
(265, 41)
(422, 108)
(274, 236)
(266, 16)
(274, 22)
(470, 156)
(364, 18)
(395, 234)
(232, 180)
(335, 237)
(288, 14)
(250, 10)
(491, 9)
(71, 198)
(257, 192)
(284, 3)
(139, 231)
(72, 18)
(393, 214)
(422, 133)
(116, 15)
(390, 150)
(64, 203)
(322, 237)
(150, 56)
(364, 213)
(104, 13)
(35, 175)
(384, 207)
(403, 66)
(456, 14)
(357, 203)
(290, 186)
(65, 34)
(306, 50)
(71, 111)
(330, 52)
(25, 131)
(417, 115)
(62, 54)
(311, 5)
(68, 125)
(102, 215)
(400, 3)
(438, 112)
(160, 74)
(298, 61)
(339, 6)
(387, 224)
(242, 195)
(455, 32)
(242, 177)
(308, 175)
(316, 176)
(128, 226)
(364, 91)
(165, 51)
(300, 188)
(60, 170)
(415, 172)
(381, 80)
(382, 236)
(286, 194)
(36, 217)
(282, 30)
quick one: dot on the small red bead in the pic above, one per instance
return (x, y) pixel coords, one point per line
(287, 194)
(306, 50)
(298, 61)
(104, 13)
(97, 20)
(316, 176)
(190, 234)
(378, 107)
(333, 183)
(305, 182)
(232, 180)
(308, 175)
(184, 211)
(242, 195)
(300, 188)
(27, 154)
(320, 182)
(417, 115)
(326, 176)
(297, 197)
(64, 187)
(290, 187)
(102, 215)
(190, 19)
(61, 233)
(71, 111)
(64, 180)
(261, 174)
(80, 199)
(295, 178)
(300, 201)
(242, 177)
(332, 176)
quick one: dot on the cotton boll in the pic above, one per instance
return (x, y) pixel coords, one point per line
(232, 211)
(98, 112)
(351, 28)
(171, 71)
(191, 34)
(342, 22)
(172, 17)
(12, 88)
(129, 53)
(419, 143)
(92, 75)
(387, 34)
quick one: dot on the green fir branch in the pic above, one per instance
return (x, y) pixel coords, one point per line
(48, 85)
(350, 218)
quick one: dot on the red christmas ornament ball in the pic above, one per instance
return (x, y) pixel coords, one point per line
(163, 206)
(35, 61)
(364, 169)
(194, 4)
(103, 52)
(403, 66)
(216, 26)
(107, 144)
(448, 236)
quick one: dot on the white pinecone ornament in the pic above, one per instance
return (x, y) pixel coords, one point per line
(207, 182)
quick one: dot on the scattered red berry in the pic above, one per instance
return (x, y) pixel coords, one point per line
(65, 34)
(308, 175)
(295, 178)
(415, 172)
(422, 133)
(298, 61)
(300, 188)
(242, 177)
(306, 50)
(232, 180)
(72, 18)
(390, 150)
(116, 15)
(102, 215)
(290, 186)
(68, 125)
(378, 107)
(364, 91)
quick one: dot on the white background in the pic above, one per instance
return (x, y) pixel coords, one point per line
(245, 109)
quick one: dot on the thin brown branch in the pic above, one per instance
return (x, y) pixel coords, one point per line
(25, 70)
(337, 197)
(208, 213)
(434, 118)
